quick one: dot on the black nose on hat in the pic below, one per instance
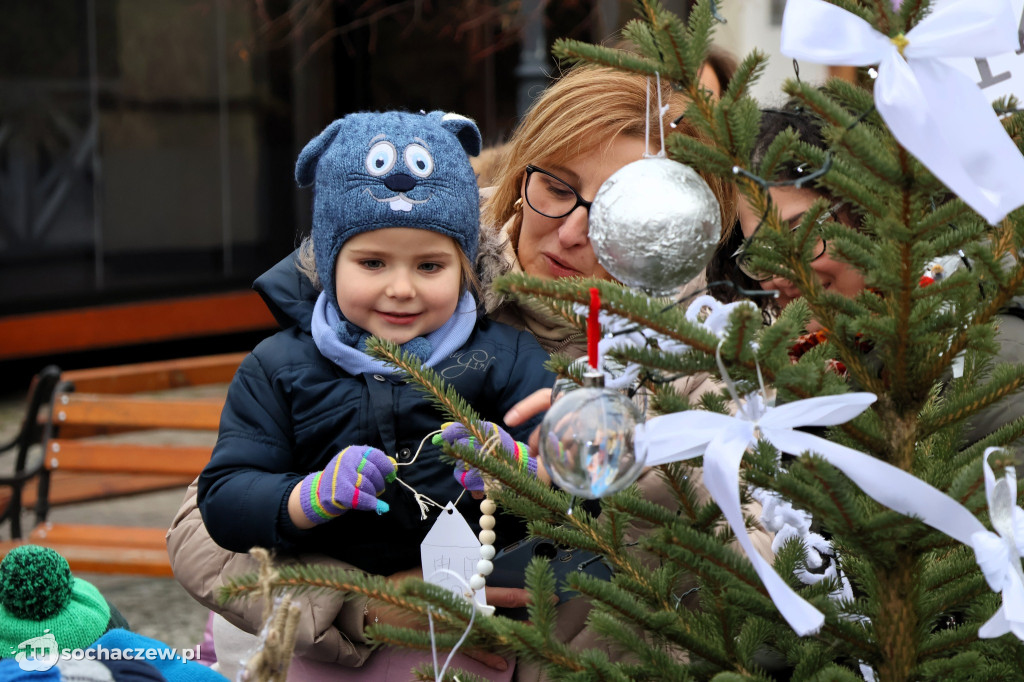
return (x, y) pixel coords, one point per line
(399, 182)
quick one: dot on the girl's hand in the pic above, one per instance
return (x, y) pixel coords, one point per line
(468, 477)
(352, 480)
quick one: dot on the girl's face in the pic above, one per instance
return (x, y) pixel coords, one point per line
(399, 282)
(834, 275)
(560, 247)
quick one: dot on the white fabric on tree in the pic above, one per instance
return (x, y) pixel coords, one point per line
(999, 553)
(934, 110)
(722, 441)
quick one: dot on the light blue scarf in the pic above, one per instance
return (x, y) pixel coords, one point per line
(341, 342)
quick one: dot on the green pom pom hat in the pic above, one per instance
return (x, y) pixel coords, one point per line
(38, 594)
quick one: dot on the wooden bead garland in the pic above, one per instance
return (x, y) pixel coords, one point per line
(484, 567)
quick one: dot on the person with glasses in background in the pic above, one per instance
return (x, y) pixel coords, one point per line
(731, 268)
(793, 203)
(731, 262)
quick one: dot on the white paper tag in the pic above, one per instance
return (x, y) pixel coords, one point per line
(450, 547)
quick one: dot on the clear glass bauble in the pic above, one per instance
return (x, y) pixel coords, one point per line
(587, 442)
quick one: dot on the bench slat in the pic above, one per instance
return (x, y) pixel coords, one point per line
(103, 549)
(156, 376)
(124, 411)
(76, 455)
(69, 487)
(137, 537)
(123, 560)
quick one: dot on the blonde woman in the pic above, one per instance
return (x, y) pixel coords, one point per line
(583, 128)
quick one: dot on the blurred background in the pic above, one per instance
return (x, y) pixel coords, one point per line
(147, 146)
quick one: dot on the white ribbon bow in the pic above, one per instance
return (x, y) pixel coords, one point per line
(934, 110)
(723, 439)
(999, 553)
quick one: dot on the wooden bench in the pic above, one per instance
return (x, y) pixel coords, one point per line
(122, 430)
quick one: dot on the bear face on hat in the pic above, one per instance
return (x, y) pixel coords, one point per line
(394, 169)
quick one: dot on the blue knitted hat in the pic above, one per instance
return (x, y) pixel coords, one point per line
(391, 169)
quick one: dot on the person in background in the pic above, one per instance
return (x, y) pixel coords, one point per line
(718, 70)
(729, 263)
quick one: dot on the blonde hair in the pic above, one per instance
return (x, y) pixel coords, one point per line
(587, 107)
(305, 263)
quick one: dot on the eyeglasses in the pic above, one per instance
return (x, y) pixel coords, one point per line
(818, 247)
(551, 196)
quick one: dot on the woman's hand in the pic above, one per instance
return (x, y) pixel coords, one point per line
(502, 597)
(530, 406)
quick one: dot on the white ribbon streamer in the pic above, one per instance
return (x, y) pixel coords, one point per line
(935, 111)
(723, 439)
(999, 553)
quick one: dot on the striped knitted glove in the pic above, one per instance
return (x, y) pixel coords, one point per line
(468, 477)
(352, 480)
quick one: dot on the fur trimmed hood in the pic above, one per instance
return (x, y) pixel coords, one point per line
(493, 260)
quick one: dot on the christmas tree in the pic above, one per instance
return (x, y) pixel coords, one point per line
(877, 457)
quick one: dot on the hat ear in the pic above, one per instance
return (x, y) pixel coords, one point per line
(305, 167)
(465, 130)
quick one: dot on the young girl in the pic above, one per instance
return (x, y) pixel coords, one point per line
(314, 430)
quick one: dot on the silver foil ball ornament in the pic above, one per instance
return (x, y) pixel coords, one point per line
(587, 441)
(654, 224)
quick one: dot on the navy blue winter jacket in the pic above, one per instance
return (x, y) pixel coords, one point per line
(289, 410)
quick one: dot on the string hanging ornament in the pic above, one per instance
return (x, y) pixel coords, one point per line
(587, 437)
(484, 566)
(654, 223)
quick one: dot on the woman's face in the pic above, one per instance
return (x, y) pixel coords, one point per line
(560, 247)
(834, 275)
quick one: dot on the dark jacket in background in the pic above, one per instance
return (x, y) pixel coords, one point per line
(289, 410)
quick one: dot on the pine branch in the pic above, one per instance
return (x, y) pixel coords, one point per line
(1001, 437)
(747, 73)
(302, 578)
(996, 302)
(680, 57)
(664, 622)
(1004, 381)
(577, 52)
(429, 382)
(426, 673)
